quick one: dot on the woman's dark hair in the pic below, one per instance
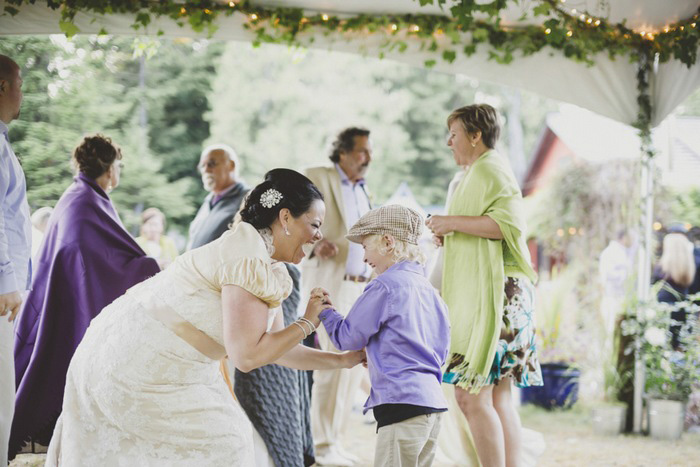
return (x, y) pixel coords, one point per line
(345, 142)
(478, 117)
(298, 193)
(95, 155)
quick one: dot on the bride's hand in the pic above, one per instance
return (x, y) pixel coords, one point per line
(350, 359)
(318, 302)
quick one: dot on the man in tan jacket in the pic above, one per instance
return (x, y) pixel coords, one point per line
(337, 265)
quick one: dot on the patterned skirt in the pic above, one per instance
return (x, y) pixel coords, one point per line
(516, 353)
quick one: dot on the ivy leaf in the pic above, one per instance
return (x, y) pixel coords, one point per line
(143, 18)
(480, 34)
(541, 10)
(68, 28)
(429, 63)
(449, 56)
(11, 10)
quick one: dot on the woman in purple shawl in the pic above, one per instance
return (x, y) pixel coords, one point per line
(86, 261)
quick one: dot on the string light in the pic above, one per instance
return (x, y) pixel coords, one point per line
(231, 4)
(414, 28)
(183, 11)
(572, 230)
(574, 11)
(560, 232)
(253, 17)
(692, 25)
(682, 28)
(657, 226)
(666, 29)
(597, 22)
(324, 17)
(589, 20)
(394, 27)
(207, 11)
(547, 31)
(569, 33)
(582, 17)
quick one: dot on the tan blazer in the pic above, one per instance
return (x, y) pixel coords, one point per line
(327, 273)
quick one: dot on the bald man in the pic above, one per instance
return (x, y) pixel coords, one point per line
(219, 167)
(15, 243)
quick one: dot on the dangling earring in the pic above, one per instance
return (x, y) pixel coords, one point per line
(286, 231)
(473, 145)
(109, 187)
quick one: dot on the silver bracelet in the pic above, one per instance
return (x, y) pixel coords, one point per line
(312, 326)
(302, 329)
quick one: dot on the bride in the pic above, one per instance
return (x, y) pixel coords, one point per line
(144, 387)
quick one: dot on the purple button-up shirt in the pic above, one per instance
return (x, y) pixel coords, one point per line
(403, 324)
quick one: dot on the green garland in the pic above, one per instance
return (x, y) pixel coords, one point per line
(578, 35)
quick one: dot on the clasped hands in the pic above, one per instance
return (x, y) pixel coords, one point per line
(439, 226)
(319, 301)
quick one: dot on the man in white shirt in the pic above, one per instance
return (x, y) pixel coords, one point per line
(337, 265)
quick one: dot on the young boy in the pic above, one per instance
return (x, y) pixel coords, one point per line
(403, 324)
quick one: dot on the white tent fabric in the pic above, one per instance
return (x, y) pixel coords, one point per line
(608, 87)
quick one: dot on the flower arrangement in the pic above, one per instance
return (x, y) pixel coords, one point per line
(671, 373)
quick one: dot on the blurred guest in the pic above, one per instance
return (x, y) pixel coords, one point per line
(276, 400)
(86, 261)
(15, 238)
(154, 243)
(219, 167)
(675, 273)
(614, 267)
(694, 236)
(40, 220)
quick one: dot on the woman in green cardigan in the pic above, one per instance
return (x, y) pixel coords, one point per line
(487, 285)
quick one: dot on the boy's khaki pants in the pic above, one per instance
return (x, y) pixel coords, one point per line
(410, 443)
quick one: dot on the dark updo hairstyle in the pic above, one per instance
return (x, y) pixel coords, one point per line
(298, 193)
(345, 142)
(95, 155)
(478, 117)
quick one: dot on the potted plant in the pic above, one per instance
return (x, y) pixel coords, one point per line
(608, 416)
(670, 374)
(557, 345)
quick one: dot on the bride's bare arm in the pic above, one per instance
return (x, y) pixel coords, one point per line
(301, 357)
(245, 322)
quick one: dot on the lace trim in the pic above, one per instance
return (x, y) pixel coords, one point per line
(266, 234)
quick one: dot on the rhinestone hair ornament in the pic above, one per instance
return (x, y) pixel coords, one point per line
(271, 198)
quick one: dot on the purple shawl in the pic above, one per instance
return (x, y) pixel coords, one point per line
(86, 261)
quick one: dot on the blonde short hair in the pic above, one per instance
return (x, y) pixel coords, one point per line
(677, 260)
(402, 251)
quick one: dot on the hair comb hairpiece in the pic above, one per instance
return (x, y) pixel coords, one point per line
(271, 198)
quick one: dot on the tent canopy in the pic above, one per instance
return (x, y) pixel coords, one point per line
(608, 87)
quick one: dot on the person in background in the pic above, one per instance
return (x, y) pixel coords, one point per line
(152, 239)
(40, 219)
(219, 167)
(15, 242)
(675, 273)
(336, 265)
(488, 287)
(694, 236)
(87, 260)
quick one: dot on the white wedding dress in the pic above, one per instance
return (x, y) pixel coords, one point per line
(138, 393)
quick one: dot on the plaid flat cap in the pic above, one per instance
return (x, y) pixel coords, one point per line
(401, 222)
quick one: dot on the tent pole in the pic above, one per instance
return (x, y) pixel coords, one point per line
(647, 65)
(643, 274)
